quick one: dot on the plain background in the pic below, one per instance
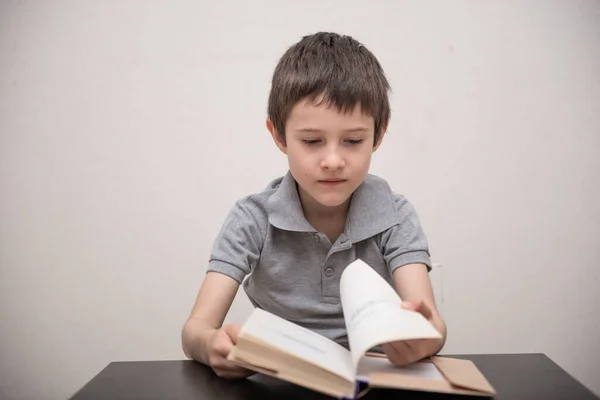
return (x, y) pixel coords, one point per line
(129, 128)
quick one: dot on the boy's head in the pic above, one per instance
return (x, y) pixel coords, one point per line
(332, 70)
(328, 111)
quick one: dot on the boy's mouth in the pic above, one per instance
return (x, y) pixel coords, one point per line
(332, 182)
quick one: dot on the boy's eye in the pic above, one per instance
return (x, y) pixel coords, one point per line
(311, 141)
(354, 141)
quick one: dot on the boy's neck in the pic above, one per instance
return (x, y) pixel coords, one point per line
(329, 220)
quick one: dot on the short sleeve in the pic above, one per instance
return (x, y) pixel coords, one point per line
(237, 247)
(405, 242)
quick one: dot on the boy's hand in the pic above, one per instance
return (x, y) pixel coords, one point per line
(219, 345)
(406, 352)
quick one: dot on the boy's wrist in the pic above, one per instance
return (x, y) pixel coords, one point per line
(440, 325)
(207, 336)
(198, 341)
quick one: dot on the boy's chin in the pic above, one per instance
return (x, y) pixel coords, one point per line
(331, 201)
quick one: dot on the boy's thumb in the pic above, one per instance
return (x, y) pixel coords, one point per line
(422, 307)
(418, 306)
(232, 331)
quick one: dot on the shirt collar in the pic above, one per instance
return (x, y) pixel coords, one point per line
(285, 209)
(371, 211)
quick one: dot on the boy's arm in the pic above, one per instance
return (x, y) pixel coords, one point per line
(235, 252)
(414, 287)
(212, 304)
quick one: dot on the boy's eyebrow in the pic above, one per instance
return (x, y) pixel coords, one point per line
(316, 130)
(310, 130)
(357, 129)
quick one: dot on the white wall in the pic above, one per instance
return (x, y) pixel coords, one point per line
(128, 129)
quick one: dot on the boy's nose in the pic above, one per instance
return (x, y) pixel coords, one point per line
(332, 160)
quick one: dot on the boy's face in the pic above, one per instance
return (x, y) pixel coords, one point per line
(329, 152)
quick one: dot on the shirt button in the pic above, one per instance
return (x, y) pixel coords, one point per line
(343, 239)
(317, 238)
(329, 272)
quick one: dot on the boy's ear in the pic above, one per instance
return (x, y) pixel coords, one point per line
(380, 139)
(278, 142)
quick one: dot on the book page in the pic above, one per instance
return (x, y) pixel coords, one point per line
(299, 342)
(422, 369)
(373, 314)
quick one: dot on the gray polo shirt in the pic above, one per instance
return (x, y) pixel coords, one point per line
(291, 270)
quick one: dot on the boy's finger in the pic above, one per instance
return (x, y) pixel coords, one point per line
(231, 370)
(235, 374)
(393, 354)
(223, 344)
(424, 309)
(418, 347)
(230, 367)
(418, 306)
(241, 370)
(398, 353)
(231, 374)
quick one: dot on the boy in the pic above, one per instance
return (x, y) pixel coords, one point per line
(328, 112)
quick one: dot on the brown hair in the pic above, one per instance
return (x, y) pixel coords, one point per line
(331, 69)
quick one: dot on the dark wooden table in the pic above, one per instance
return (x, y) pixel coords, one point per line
(514, 376)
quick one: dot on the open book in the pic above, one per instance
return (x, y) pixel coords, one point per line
(274, 346)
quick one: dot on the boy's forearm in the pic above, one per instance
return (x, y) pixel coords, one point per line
(195, 337)
(440, 325)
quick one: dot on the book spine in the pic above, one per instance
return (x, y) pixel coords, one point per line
(361, 387)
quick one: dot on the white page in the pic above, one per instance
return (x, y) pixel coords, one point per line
(300, 342)
(422, 369)
(373, 314)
